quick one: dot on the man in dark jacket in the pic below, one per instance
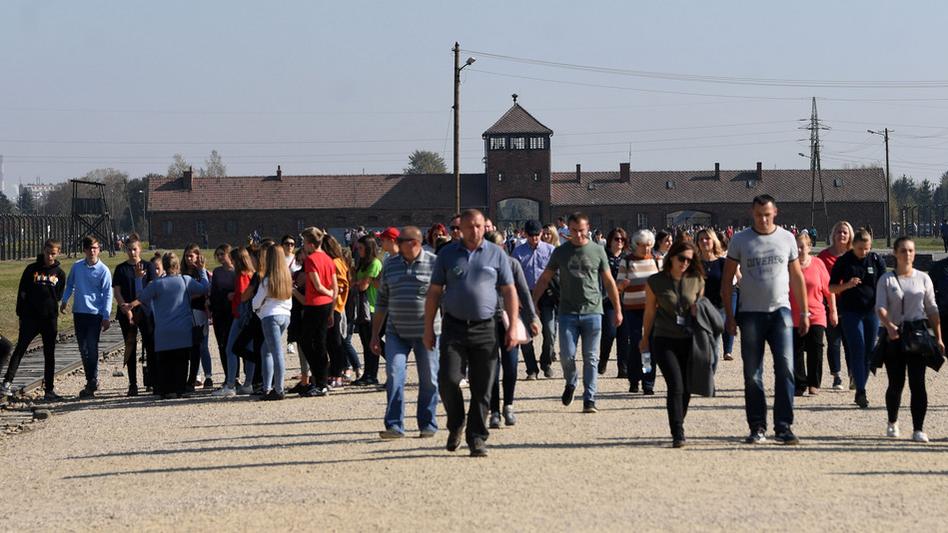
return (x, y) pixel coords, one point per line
(37, 305)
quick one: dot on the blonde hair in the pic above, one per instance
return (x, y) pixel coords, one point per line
(554, 235)
(170, 263)
(279, 284)
(848, 226)
(716, 247)
(804, 237)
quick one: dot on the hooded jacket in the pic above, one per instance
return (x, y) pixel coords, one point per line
(41, 288)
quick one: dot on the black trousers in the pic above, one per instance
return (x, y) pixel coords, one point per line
(808, 370)
(252, 334)
(29, 329)
(370, 367)
(315, 333)
(896, 365)
(130, 335)
(173, 365)
(222, 323)
(508, 362)
(338, 359)
(472, 345)
(672, 356)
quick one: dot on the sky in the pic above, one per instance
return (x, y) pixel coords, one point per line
(353, 87)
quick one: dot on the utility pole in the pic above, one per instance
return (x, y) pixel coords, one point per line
(457, 127)
(816, 169)
(888, 186)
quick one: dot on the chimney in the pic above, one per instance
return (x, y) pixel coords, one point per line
(579, 174)
(717, 171)
(188, 178)
(760, 171)
(624, 172)
(279, 173)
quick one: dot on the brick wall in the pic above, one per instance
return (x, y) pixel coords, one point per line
(518, 169)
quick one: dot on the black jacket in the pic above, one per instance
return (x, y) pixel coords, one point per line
(41, 289)
(707, 327)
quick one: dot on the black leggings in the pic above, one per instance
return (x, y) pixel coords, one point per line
(896, 364)
(29, 329)
(371, 365)
(808, 370)
(672, 356)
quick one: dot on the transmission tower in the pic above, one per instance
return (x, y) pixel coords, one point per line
(814, 125)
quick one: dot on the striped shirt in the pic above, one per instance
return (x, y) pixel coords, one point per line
(636, 272)
(403, 287)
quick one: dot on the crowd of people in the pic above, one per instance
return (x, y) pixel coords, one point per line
(467, 299)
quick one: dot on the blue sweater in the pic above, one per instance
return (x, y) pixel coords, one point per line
(93, 287)
(170, 301)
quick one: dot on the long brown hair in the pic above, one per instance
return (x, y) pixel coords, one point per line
(279, 284)
(243, 264)
(694, 267)
(185, 267)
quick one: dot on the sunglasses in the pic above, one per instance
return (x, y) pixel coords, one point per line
(618, 239)
(289, 243)
(455, 228)
(684, 258)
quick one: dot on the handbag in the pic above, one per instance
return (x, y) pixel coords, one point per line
(915, 339)
(363, 313)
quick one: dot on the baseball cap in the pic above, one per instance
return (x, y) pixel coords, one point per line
(390, 233)
(533, 227)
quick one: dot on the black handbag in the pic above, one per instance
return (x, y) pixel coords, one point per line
(915, 339)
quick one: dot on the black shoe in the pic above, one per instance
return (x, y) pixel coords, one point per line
(274, 396)
(169, 396)
(307, 391)
(756, 436)
(454, 439)
(648, 391)
(679, 442)
(603, 366)
(861, 400)
(799, 392)
(548, 372)
(568, 394)
(132, 390)
(189, 388)
(51, 396)
(787, 438)
(634, 387)
(623, 374)
(86, 394)
(590, 407)
(479, 449)
(320, 391)
(296, 389)
(208, 383)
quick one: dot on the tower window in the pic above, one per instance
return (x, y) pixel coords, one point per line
(200, 227)
(837, 182)
(669, 184)
(498, 143)
(500, 176)
(642, 220)
(536, 175)
(537, 143)
(518, 143)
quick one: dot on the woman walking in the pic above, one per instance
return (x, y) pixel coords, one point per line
(170, 300)
(903, 297)
(670, 298)
(634, 272)
(272, 303)
(550, 235)
(821, 304)
(617, 245)
(712, 260)
(841, 242)
(853, 280)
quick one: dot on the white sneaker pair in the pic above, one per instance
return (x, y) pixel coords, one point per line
(225, 392)
(893, 431)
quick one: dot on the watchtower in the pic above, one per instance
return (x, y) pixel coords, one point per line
(90, 214)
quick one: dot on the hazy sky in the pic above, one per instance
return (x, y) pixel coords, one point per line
(347, 87)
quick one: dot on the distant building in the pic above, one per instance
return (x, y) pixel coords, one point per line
(517, 184)
(39, 191)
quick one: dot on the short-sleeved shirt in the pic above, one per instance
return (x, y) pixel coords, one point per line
(533, 260)
(862, 297)
(580, 268)
(124, 279)
(372, 271)
(320, 263)
(674, 299)
(816, 279)
(915, 294)
(764, 260)
(471, 278)
(403, 292)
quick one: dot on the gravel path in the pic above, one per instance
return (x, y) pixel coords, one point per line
(317, 464)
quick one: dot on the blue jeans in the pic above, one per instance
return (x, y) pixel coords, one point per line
(249, 366)
(630, 334)
(776, 329)
(88, 328)
(206, 352)
(273, 357)
(351, 355)
(589, 327)
(396, 360)
(860, 331)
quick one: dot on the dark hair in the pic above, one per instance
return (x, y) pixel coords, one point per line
(695, 268)
(332, 247)
(52, 243)
(577, 216)
(185, 267)
(222, 248)
(287, 237)
(88, 241)
(132, 239)
(898, 242)
(241, 259)
(661, 235)
(764, 199)
(862, 235)
(371, 251)
(617, 232)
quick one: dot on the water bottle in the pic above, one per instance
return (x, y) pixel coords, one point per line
(646, 362)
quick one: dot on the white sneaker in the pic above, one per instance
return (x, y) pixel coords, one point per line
(291, 348)
(6, 389)
(224, 392)
(919, 436)
(892, 430)
(463, 383)
(246, 388)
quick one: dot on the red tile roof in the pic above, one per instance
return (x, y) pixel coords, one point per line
(391, 191)
(517, 120)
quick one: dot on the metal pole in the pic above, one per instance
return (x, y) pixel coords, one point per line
(888, 186)
(457, 127)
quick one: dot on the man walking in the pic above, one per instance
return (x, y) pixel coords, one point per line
(400, 309)
(467, 276)
(534, 255)
(37, 306)
(767, 255)
(580, 263)
(91, 280)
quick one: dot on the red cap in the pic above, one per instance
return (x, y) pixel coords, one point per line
(390, 233)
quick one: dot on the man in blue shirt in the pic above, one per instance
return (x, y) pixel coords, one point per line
(466, 279)
(91, 280)
(534, 255)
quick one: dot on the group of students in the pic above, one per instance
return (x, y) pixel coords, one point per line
(466, 302)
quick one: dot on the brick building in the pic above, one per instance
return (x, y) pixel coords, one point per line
(517, 184)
